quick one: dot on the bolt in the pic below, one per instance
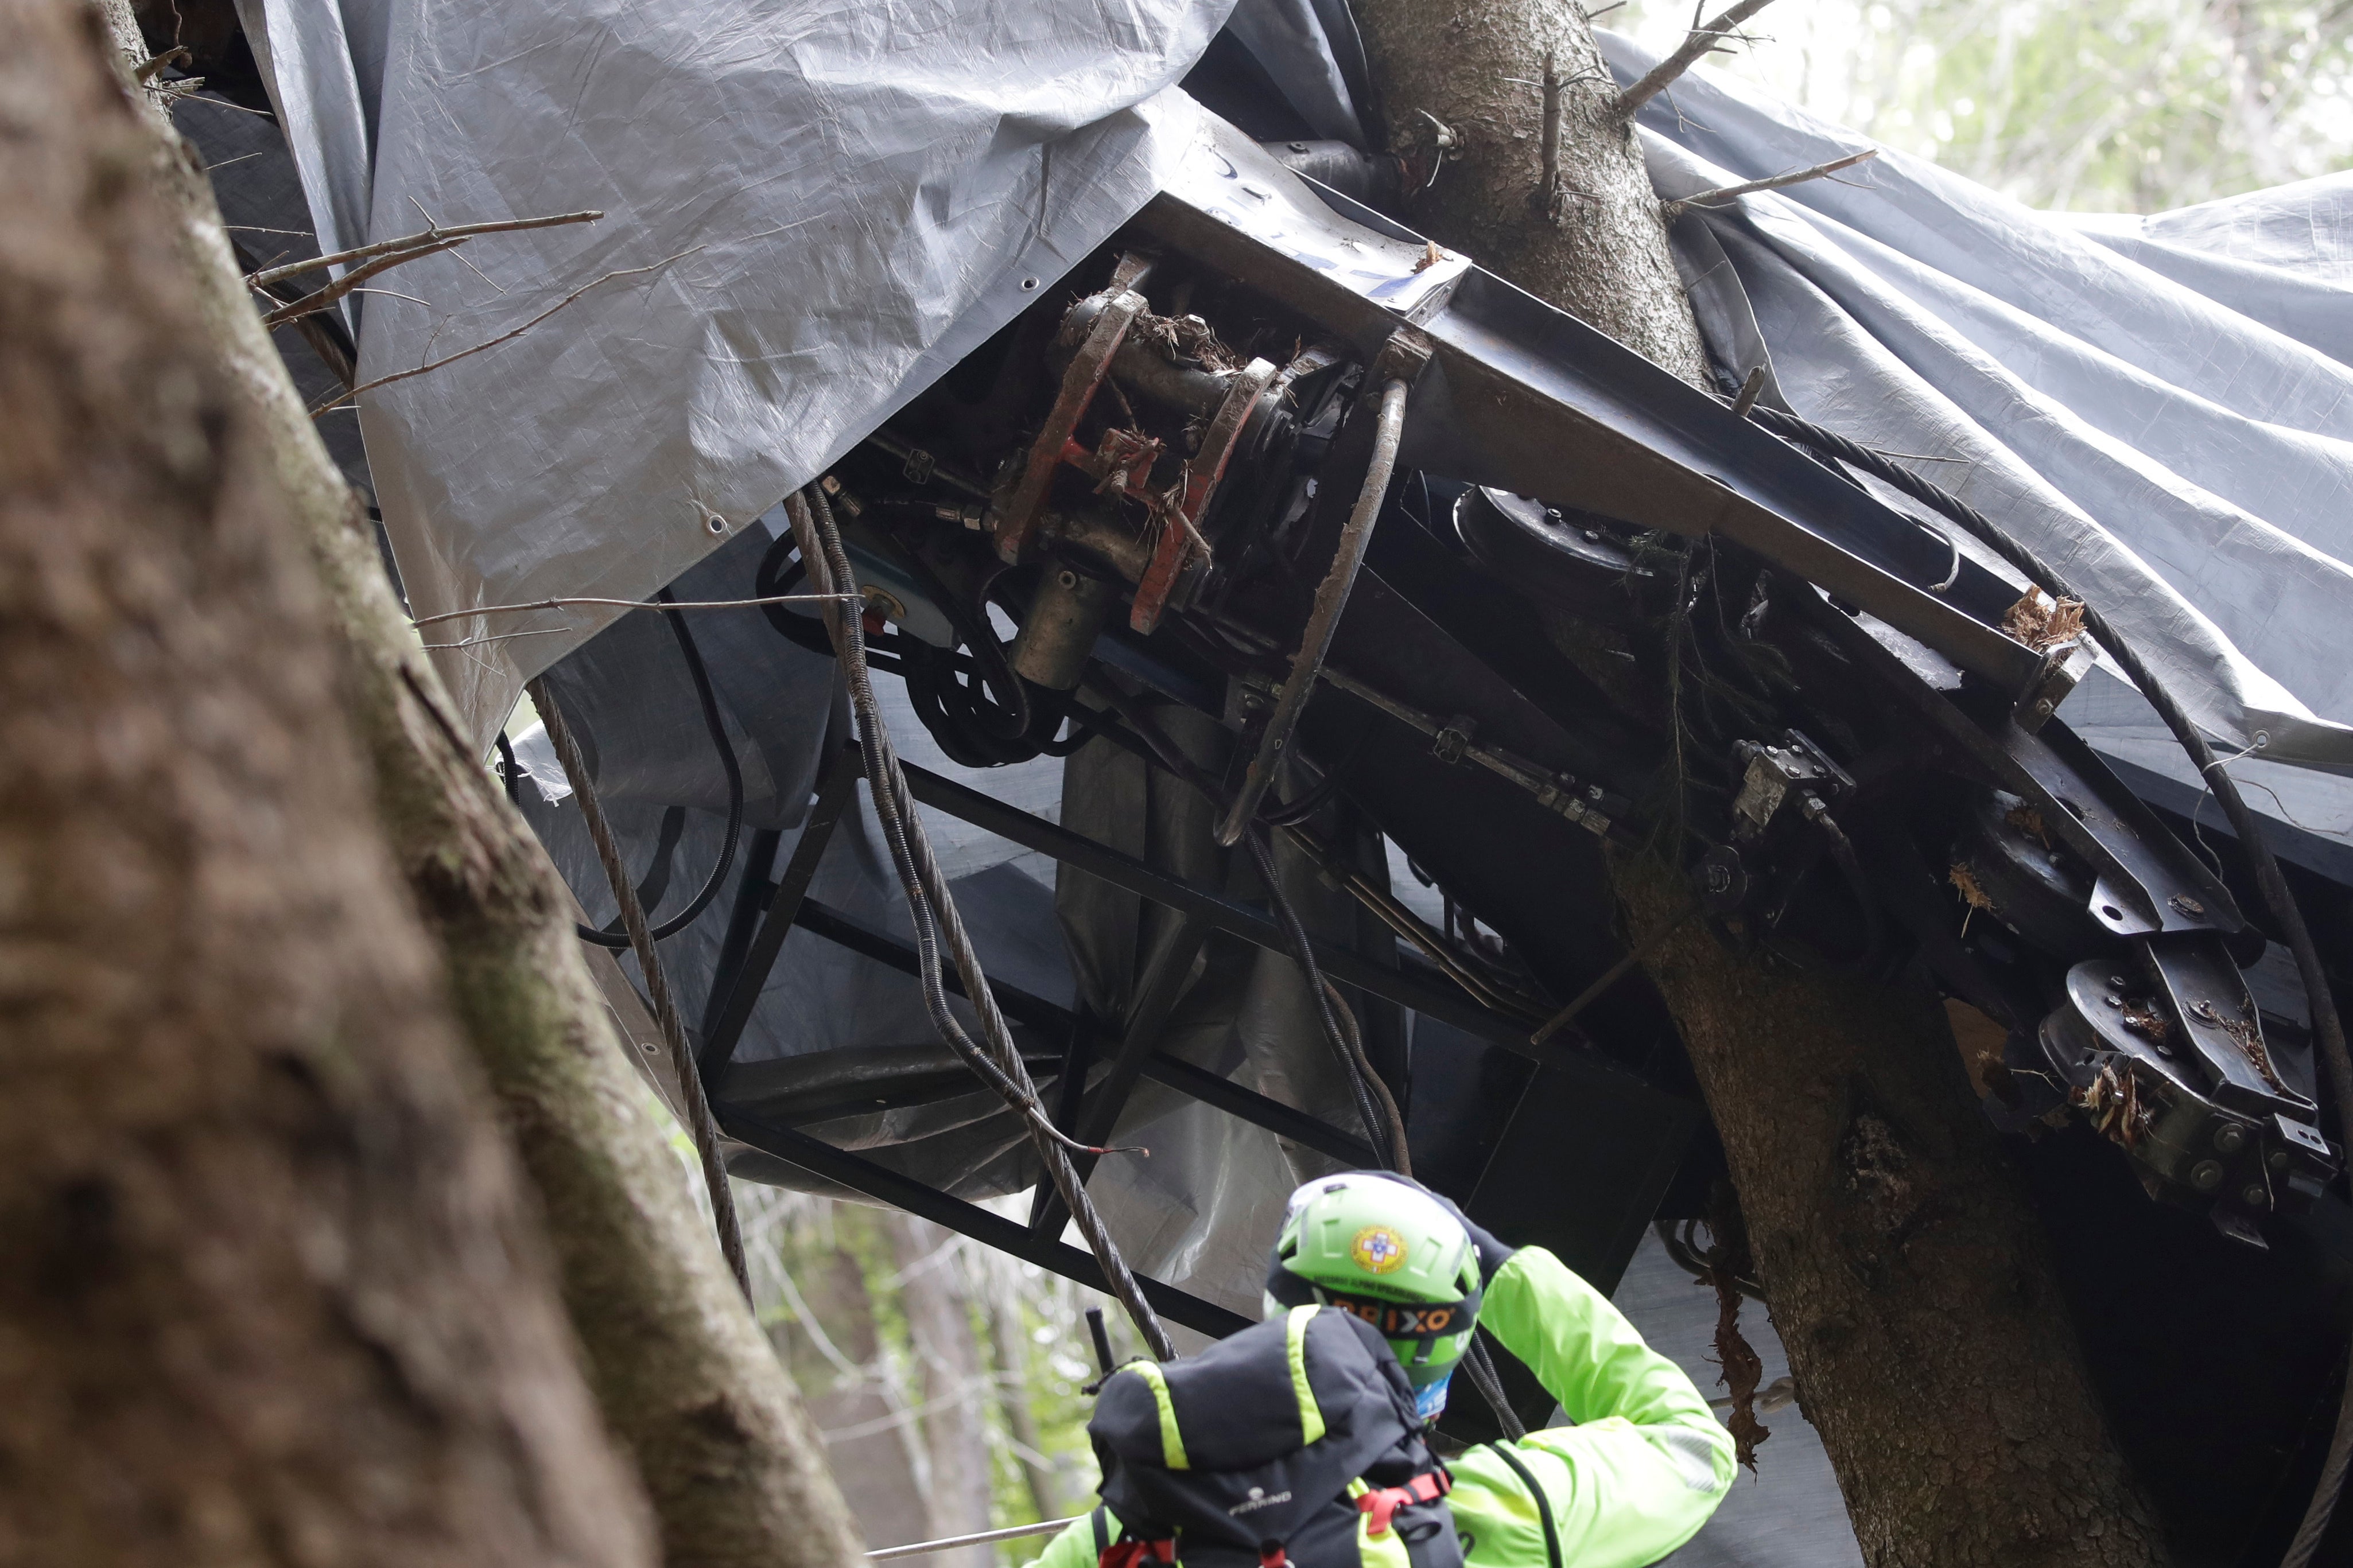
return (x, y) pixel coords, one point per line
(2279, 1160)
(2229, 1138)
(1593, 535)
(1067, 578)
(2206, 1176)
(2255, 1196)
(2114, 1000)
(2115, 980)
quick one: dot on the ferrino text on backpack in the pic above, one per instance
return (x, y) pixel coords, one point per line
(1291, 1443)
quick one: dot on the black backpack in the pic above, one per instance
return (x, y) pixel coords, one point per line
(1293, 1442)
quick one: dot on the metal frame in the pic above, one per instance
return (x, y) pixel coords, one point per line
(766, 912)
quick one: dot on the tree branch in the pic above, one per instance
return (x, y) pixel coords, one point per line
(429, 238)
(1772, 182)
(1699, 42)
(331, 403)
(389, 254)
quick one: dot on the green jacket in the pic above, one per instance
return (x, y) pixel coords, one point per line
(1645, 1465)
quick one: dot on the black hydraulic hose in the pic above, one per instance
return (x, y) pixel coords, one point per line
(711, 722)
(2329, 1027)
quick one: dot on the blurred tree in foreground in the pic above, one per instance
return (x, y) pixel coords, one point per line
(2094, 105)
(944, 1378)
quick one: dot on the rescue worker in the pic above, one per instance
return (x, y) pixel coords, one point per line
(1640, 1470)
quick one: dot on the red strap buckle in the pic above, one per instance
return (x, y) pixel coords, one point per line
(1382, 1505)
(1131, 1553)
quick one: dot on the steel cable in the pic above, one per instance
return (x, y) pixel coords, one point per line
(665, 1006)
(933, 908)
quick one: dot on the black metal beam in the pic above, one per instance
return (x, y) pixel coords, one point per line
(1220, 913)
(847, 930)
(753, 891)
(835, 791)
(1257, 1108)
(1069, 1091)
(821, 1159)
(1022, 1006)
(1164, 983)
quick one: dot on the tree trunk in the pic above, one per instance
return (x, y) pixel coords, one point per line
(1013, 1402)
(939, 1309)
(684, 1375)
(273, 1295)
(835, 1354)
(1909, 1275)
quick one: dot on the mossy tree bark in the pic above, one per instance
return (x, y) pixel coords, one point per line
(274, 1294)
(1909, 1275)
(684, 1376)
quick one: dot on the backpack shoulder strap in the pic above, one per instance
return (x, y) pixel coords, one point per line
(1544, 1504)
(1101, 1518)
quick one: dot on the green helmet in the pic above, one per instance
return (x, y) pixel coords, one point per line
(1389, 1253)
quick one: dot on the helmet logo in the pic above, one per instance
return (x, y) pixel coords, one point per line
(1378, 1249)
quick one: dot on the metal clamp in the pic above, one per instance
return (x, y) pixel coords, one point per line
(1180, 529)
(1017, 513)
(1401, 361)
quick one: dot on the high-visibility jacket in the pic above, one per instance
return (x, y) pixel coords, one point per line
(1640, 1470)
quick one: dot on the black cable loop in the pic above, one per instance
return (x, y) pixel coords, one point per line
(709, 699)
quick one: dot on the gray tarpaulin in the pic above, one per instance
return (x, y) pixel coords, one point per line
(812, 209)
(2157, 406)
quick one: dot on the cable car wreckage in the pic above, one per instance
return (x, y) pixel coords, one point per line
(1410, 535)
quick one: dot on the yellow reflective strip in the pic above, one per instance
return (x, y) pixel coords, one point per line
(1172, 1442)
(1311, 1414)
(1385, 1550)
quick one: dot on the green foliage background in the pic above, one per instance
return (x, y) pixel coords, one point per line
(2098, 106)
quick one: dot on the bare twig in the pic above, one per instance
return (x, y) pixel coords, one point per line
(1548, 199)
(330, 404)
(431, 237)
(1748, 391)
(1699, 42)
(320, 298)
(218, 103)
(500, 636)
(662, 604)
(148, 69)
(1774, 182)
